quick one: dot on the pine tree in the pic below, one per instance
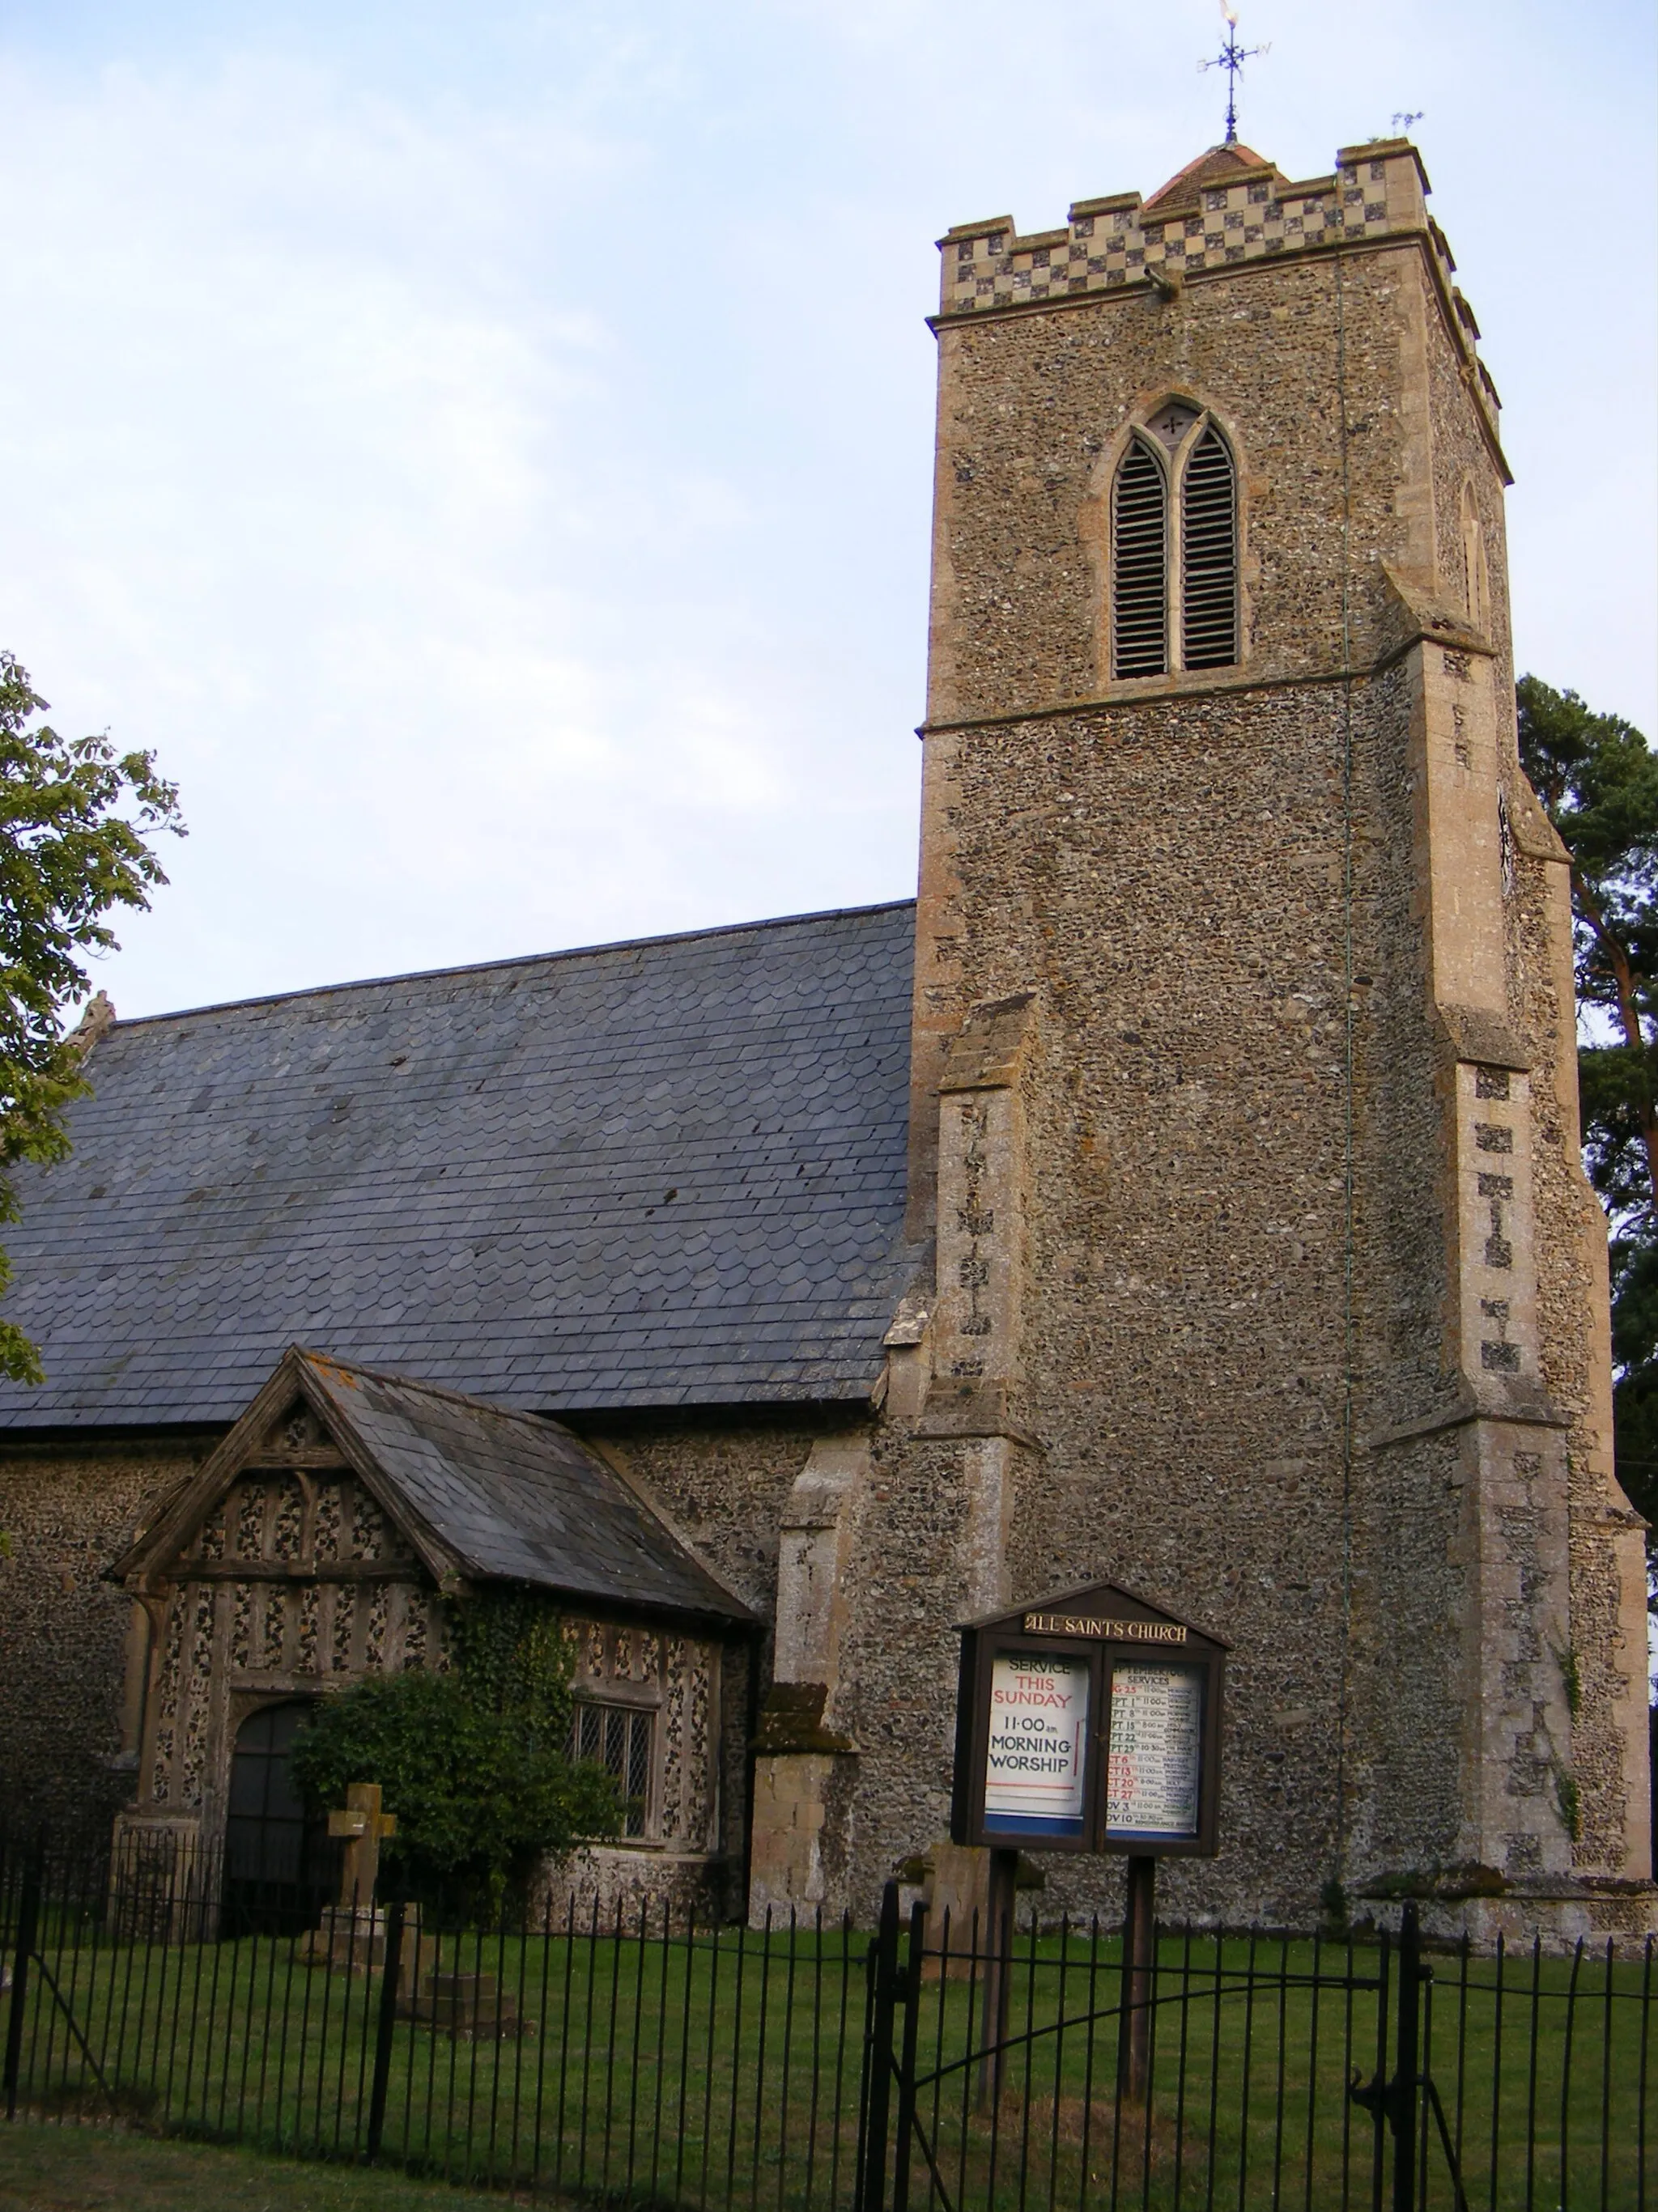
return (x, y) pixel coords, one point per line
(1598, 779)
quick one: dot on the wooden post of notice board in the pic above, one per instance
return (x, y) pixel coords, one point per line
(1139, 1922)
(998, 1976)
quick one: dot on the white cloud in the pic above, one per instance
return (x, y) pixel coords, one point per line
(487, 452)
(329, 503)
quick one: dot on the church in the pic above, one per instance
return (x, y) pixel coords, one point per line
(1183, 1190)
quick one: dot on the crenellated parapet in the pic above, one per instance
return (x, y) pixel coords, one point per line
(1229, 208)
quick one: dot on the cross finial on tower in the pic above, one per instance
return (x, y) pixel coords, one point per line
(1232, 58)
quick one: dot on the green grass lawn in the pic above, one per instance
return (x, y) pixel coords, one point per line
(725, 2072)
(57, 2169)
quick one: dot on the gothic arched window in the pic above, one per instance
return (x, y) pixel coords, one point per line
(1139, 605)
(1476, 574)
(1174, 548)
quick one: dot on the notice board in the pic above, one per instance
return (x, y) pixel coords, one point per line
(1089, 1722)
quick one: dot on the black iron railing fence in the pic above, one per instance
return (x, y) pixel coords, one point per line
(1255, 2069)
(643, 2057)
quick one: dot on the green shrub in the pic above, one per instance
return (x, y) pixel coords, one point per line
(472, 1761)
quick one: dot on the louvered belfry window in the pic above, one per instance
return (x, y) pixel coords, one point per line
(1156, 533)
(1209, 557)
(1139, 609)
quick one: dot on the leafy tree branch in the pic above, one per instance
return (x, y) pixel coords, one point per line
(76, 819)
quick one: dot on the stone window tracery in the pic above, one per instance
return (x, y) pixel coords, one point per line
(1174, 547)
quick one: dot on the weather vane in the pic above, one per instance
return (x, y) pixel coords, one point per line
(1232, 58)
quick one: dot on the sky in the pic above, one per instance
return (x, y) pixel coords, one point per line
(485, 449)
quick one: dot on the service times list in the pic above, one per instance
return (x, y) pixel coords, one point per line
(1154, 1760)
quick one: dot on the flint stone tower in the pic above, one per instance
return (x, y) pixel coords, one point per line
(1245, 1128)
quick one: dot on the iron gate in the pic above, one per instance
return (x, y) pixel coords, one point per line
(1043, 2072)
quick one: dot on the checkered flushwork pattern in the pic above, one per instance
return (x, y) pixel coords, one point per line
(1247, 218)
(1241, 221)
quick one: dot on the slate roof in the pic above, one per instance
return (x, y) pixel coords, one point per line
(660, 1174)
(518, 1498)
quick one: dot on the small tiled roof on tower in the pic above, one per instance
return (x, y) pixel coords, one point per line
(660, 1174)
(1220, 165)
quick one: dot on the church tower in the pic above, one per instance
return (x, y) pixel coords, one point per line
(1265, 1279)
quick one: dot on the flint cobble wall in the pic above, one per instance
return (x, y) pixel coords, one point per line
(1031, 406)
(723, 1483)
(1607, 1663)
(1172, 881)
(64, 1629)
(1461, 456)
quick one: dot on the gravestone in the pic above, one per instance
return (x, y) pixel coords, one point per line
(470, 2008)
(353, 1934)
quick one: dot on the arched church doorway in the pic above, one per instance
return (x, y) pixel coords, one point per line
(279, 1866)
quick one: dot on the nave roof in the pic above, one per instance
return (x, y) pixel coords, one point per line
(653, 1175)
